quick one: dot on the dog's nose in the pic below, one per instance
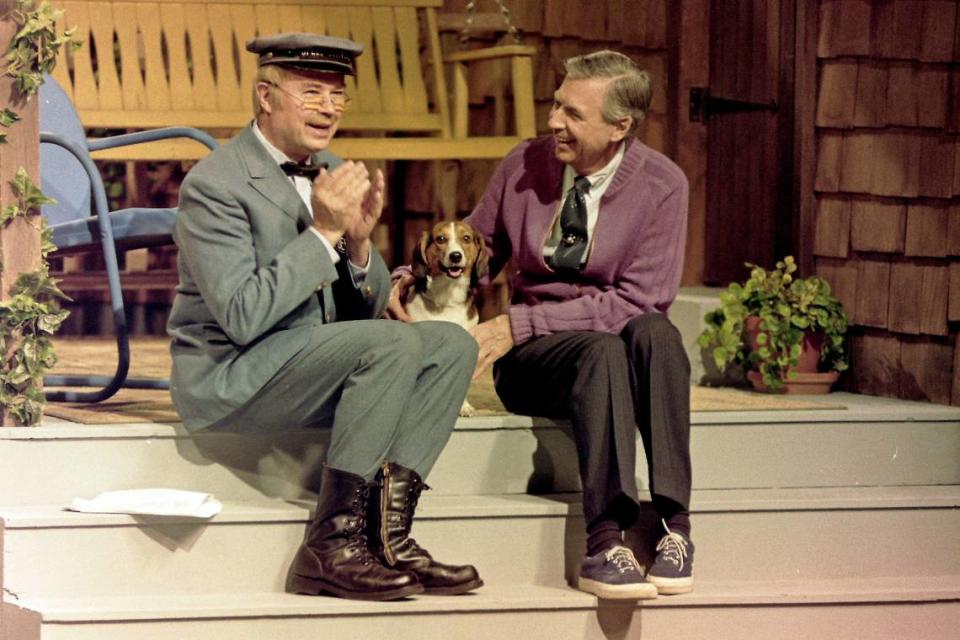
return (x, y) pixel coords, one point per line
(456, 257)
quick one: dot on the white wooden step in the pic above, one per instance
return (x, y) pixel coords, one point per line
(741, 535)
(873, 441)
(877, 608)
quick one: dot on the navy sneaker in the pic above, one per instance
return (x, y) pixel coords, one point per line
(614, 574)
(672, 571)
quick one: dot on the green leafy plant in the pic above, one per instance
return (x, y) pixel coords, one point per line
(787, 308)
(30, 316)
(33, 50)
(7, 118)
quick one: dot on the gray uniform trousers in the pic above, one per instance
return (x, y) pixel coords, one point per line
(609, 386)
(389, 391)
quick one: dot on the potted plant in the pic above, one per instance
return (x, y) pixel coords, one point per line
(766, 324)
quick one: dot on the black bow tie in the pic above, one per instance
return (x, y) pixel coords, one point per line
(309, 171)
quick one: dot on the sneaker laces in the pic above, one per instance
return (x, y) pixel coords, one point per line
(623, 559)
(673, 546)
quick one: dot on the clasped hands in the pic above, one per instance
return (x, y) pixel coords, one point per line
(347, 203)
(494, 337)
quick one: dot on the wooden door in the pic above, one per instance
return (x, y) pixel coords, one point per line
(748, 110)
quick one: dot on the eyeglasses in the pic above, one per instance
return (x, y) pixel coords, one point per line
(314, 100)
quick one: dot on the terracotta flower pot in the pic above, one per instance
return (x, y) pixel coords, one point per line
(808, 380)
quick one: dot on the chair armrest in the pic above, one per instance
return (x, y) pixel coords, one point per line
(490, 53)
(521, 71)
(93, 174)
(152, 135)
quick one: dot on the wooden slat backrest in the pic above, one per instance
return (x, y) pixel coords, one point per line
(150, 63)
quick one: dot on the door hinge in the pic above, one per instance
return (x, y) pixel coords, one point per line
(703, 105)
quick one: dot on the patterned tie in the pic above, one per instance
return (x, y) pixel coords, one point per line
(310, 171)
(573, 228)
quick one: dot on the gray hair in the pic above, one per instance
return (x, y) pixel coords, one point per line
(628, 94)
(272, 74)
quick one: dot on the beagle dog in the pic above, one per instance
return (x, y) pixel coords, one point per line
(447, 264)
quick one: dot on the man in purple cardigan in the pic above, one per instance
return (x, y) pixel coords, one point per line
(596, 223)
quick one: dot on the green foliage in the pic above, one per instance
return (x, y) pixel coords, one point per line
(29, 317)
(7, 118)
(33, 50)
(29, 198)
(32, 313)
(788, 307)
(27, 321)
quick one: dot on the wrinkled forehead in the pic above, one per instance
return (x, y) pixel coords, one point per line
(582, 92)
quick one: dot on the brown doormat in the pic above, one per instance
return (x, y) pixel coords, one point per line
(151, 359)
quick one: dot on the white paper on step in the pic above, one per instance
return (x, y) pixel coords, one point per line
(159, 502)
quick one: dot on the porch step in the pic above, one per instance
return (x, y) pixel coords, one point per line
(872, 441)
(686, 313)
(744, 535)
(875, 608)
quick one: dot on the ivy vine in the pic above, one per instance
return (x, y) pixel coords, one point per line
(7, 118)
(33, 50)
(31, 314)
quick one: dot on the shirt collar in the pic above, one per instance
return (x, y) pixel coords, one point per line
(597, 178)
(279, 156)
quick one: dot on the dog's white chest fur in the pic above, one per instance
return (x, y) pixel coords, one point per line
(444, 299)
(448, 259)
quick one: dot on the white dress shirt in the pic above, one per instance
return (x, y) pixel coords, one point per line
(599, 181)
(304, 187)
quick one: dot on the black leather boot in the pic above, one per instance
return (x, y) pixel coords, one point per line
(390, 522)
(335, 558)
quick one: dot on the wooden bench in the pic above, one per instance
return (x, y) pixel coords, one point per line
(156, 63)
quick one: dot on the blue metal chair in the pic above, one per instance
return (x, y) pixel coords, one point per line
(69, 175)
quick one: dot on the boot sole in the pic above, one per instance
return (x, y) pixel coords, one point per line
(454, 590)
(314, 587)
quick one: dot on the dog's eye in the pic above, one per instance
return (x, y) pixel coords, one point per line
(441, 239)
(467, 238)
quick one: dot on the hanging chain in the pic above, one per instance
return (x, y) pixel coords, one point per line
(504, 12)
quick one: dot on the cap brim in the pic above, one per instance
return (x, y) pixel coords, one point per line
(313, 65)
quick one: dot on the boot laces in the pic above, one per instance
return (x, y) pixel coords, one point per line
(357, 532)
(623, 559)
(673, 546)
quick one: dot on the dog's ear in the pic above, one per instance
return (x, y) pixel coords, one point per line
(481, 265)
(419, 265)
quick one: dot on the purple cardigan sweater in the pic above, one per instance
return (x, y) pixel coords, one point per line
(636, 255)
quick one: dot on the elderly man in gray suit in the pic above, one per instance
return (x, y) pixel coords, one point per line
(276, 325)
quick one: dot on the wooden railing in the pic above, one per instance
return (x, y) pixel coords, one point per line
(154, 63)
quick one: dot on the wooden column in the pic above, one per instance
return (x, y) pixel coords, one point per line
(804, 94)
(19, 241)
(689, 45)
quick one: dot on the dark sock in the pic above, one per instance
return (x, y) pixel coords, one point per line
(603, 534)
(673, 513)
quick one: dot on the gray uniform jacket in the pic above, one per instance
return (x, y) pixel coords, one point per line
(255, 282)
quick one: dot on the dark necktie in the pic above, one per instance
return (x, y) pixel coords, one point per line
(573, 228)
(306, 170)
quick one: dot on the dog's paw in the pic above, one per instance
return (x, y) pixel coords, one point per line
(466, 410)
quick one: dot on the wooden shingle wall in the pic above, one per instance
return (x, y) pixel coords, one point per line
(559, 29)
(888, 189)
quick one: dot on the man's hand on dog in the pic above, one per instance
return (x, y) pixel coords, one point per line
(346, 203)
(398, 293)
(495, 339)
